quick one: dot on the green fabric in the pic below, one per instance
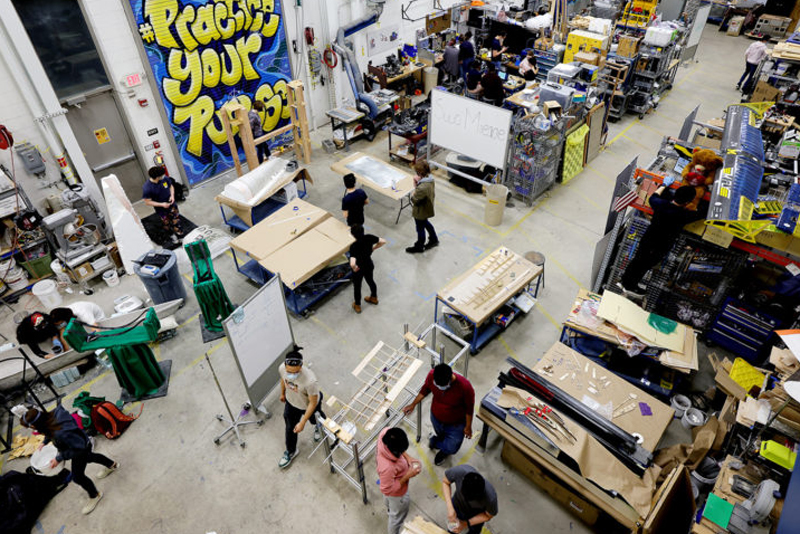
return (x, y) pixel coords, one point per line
(136, 368)
(85, 402)
(83, 341)
(718, 510)
(662, 324)
(208, 289)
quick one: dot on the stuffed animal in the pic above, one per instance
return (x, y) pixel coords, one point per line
(699, 173)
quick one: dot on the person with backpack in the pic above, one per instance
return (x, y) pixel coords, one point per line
(73, 444)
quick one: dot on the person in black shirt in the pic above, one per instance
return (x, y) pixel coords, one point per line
(670, 215)
(492, 85)
(38, 328)
(473, 80)
(353, 201)
(159, 193)
(361, 263)
(466, 54)
(498, 48)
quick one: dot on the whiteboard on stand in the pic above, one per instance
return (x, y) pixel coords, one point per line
(470, 127)
(260, 335)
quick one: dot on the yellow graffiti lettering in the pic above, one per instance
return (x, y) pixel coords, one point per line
(161, 14)
(273, 105)
(216, 132)
(199, 114)
(239, 16)
(183, 66)
(244, 47)
(183, 25)
(203, 27)
(212, 70)
(271, 26)
(221, 13)
(232, 75)
(253, 6)
(282, 89)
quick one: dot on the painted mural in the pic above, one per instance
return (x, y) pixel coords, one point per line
(202, 53)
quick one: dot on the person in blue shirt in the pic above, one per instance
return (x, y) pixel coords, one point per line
(159, 193)
(466, 54)
(253, 117)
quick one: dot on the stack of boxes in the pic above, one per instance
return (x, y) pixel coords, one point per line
(791, 211)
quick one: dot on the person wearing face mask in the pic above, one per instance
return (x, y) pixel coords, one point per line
(303, 400)
(452, 408)
(37, 328)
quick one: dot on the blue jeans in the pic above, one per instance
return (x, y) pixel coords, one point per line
(749, 70)
(448, 438)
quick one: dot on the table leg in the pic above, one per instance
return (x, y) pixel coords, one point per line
(344, 135)
(419, 422)
(481, 448)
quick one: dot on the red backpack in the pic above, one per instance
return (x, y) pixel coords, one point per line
(108, 420)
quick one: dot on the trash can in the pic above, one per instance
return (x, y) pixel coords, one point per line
(495, 204)
(158, 271)
(430, 78)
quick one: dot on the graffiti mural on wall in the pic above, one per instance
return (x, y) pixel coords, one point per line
(202, 52)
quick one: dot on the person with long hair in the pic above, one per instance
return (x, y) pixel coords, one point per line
(73, 444)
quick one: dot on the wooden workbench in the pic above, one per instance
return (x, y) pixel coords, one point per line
(400, 193)
(518, 98)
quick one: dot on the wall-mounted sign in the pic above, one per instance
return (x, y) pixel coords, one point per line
(203, 53)
(102, 136)
(151, 132)
(132, 80)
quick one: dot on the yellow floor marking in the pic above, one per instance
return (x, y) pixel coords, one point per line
(546, 314)
(628, 127)
(634, 141)
(555, 262)
(189, 320)
(200, 358)
(505, 346)
(584, 197)
(600, 174)
(330, 330)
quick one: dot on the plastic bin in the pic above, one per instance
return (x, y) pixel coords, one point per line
(158, 271)
(40, 267)
(495, 204)
(47, 293)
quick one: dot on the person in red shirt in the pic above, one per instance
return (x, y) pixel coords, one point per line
(452, 408)
(395, 468)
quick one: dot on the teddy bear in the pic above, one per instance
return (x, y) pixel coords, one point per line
(699, 173)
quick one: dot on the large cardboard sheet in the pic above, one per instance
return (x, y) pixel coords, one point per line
(631, 318)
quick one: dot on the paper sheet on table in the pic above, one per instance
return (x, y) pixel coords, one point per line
(594, 460)
(631, 318)
(792, 340)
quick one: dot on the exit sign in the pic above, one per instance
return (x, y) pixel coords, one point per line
(132, 80)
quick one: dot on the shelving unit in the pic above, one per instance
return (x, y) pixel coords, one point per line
(653, 74)
(546, 60)
(534, 158)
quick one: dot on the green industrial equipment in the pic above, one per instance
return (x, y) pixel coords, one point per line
(214, 302)
(134, 363)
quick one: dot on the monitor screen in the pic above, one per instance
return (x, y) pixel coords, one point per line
(475, 19)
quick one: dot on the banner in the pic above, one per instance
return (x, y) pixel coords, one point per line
(202, 53)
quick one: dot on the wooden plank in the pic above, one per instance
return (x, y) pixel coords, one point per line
(414, 340)
(371, 354)
(337, 430)
(404, 380)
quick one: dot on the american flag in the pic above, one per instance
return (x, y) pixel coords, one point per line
(622, 202)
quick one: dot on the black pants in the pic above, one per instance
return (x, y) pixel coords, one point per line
(292, 416)
(648, 256)
(466, 515)
(422, 226)
(263, 152)
(358, 276)
(749, 70)
(79, 469)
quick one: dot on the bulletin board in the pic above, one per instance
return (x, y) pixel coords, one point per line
(438, 23)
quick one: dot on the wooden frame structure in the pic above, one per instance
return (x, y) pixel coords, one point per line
(234, 114)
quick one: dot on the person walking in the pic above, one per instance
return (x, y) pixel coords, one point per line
(303, 401)
(362, 265)
(473, 503)
(262, 149)
(159, 193)
(73, 444)
(353, 201)
(422, 199)
(452, 409)
(395, 469)
(752, 57)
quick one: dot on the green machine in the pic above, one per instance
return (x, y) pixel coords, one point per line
(134, 363)
(211, 295)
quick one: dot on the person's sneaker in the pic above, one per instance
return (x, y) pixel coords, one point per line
(431, 244)
(357, 307)
(440, 458)
(104, 472)
(414, 250)
(286, 459)
(372, 300)
(91, 504)
(431, 445)
(317, 435)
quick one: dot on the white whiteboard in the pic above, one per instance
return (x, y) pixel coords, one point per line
(260, 335)
(470, 127)
(698, 26)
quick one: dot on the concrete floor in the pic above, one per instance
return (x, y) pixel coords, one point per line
(174, 479)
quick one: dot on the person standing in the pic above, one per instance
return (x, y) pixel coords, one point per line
(73, 444)
(262, 149)
(670, 215)
(452, 409)
(303, 401)
(752, 57)
(422, 200)
(362, 265)
(395, 469)
(353, 201)
(451, 53)
(473, 503)
(466, 54)
(159, 193)
(498, 48)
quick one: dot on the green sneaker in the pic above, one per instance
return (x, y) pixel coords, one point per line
(286, 459)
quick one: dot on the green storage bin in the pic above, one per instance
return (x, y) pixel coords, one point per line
(40, 267)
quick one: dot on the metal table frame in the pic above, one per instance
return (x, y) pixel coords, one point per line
(261, 210)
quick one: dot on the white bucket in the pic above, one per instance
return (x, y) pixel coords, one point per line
(14, 273)
(111, 277)
(19, 282)
(680, 403)
(692, 418)
(58, 270)
(47, 293)
(40, 460)
(7, 264)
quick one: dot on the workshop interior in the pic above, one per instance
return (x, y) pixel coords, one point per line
(431, 266)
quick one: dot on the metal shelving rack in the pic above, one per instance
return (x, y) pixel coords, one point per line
(534, 158)
(546, 60)
(653, 74)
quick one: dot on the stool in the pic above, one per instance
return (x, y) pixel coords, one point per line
(538, 259)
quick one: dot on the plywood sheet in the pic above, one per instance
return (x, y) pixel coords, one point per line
(631, 318)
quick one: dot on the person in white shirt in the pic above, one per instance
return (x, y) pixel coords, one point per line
(753, 56)
(86, 312)
(528, 68)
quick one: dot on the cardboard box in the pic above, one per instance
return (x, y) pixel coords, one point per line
(735, 25)
(83, 271)
(728, 385)
(764, 92)
(543, 43)
(584, 510)
(590, 58)
(551, 106)
(628, 46)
